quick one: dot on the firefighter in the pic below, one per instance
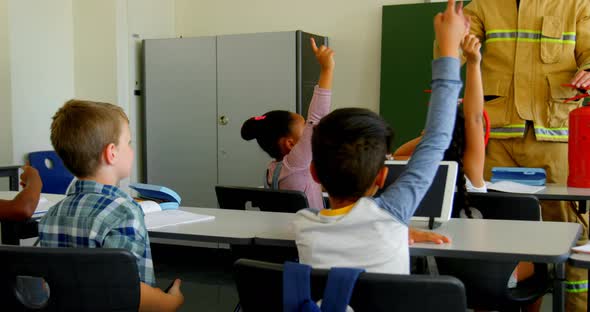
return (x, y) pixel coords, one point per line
(531, 48)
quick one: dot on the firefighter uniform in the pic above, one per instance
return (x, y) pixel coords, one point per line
(530, 50)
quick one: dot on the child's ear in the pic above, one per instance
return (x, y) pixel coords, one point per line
(110, 153)
(314, 173)
(289, 143)
(381, 177)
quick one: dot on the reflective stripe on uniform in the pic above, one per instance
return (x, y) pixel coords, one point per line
(524, 35)
(576, 287)
(509, 131)
(551, 133)
(517, 131)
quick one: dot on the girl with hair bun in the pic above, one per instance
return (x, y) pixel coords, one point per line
(286, 136)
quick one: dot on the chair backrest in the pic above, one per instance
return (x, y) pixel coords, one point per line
(78, 279)
(505, 206)
(260, 289)
(56, 177)
(232, 197)
(486, 281)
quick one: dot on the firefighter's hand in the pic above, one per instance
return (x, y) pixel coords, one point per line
(417, 236)
(450, 28)
(582, 79)
(471, 49)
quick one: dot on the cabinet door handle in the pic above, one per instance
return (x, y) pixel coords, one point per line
(223, 120)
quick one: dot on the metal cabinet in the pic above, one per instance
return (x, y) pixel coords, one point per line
(197, 94)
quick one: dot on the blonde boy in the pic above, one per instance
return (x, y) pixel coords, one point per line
(94, 141)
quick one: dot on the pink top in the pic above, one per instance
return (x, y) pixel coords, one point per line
(295, 174)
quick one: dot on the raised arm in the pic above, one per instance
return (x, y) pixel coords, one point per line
(24, 204)
(474, 156)
(402, 197)
(300, 155)
(407, 149)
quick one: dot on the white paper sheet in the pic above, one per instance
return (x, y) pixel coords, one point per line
(513, 187)
(159, 219)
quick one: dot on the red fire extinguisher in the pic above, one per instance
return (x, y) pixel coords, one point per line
(579, 148)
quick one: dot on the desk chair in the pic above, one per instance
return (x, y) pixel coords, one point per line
(56, 178)
(260, 288)
(236, 198)
(486, 281)
(233, 197)
(79, 279)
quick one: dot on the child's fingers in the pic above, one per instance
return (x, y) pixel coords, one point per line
(451, 5)
(438, 20)
(321, 50)
(314, 47)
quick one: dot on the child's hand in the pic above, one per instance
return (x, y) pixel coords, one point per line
(324, 55)
(471, 49)
(417, 236)
(175, 291)
(29, 175)
(450, 28)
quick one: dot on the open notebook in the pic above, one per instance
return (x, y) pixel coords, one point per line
(154, 218)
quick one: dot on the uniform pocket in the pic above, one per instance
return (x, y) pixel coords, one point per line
(496, 88)
(551, 39)
(557, 110)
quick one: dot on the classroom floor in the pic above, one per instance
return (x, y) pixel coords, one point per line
(207, 281)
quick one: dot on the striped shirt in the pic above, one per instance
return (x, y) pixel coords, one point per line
(99, 216)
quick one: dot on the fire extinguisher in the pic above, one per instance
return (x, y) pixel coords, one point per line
(579, 148)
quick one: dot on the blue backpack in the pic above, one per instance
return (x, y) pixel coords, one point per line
(297, 292)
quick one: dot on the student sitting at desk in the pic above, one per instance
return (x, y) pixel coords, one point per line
(94, 141)
(349, 148)
(467, 145)
(24, 204)
(286, 137)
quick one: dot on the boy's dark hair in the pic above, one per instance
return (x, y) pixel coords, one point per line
(349, 147)
(455, 152)
(80, 130)
(267, 130)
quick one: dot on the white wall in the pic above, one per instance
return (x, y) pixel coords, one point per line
(5, 89)
(353, 25)
(95, 58)
(42, 69)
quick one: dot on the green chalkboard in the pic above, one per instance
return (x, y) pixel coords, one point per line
(406, 56)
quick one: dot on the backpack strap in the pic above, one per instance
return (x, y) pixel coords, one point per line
(339, 288)
(274, 185)
(296, 288)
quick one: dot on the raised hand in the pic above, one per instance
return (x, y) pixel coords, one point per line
(450, 28)
(471, 49)
(324, 55)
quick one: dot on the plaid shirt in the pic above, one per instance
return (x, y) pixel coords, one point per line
(99, 216)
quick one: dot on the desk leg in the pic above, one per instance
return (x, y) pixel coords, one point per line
(559, 287)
